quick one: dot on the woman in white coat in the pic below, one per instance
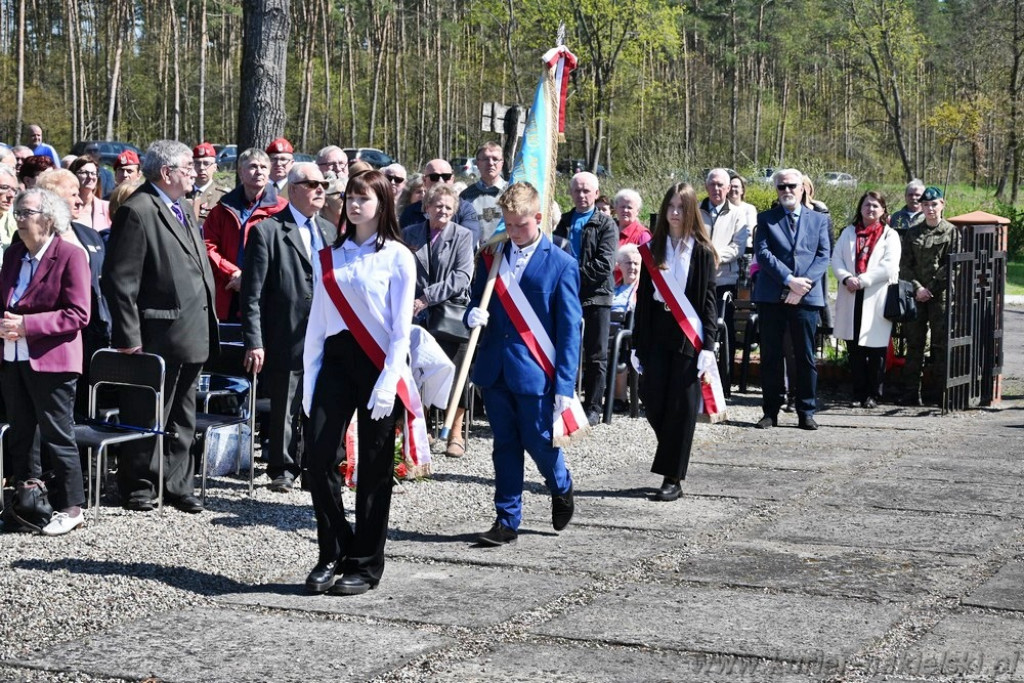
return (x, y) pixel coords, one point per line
(865, 261)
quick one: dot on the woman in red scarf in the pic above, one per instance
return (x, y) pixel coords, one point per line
(866, 259)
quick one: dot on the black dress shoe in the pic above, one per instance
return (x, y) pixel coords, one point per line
(593, 418)
(321, 578)
(669, 491)
(808, 423)
(351, 584)
(869, 403)
(281, 484)
(767, 422)
(189, 504)
(499, 534)
(562, 507)
(788, 407)
(140, 504)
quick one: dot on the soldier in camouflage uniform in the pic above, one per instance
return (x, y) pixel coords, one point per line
(207, 191)
(925, 262)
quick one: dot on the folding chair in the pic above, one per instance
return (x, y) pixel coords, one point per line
(137, 370)
(3, 432)
(621, 332)
(724, 347)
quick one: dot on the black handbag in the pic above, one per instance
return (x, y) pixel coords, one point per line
(900, 305)
(31, 505)
(444, 322)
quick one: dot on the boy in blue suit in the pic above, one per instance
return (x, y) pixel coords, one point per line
(519, 394)
(793, 250)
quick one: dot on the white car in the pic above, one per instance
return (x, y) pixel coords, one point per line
(840, 179)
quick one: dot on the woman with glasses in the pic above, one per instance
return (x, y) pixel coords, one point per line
(95, 210)
(44, 300)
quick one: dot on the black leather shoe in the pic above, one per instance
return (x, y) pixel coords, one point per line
(788, 407)
(281, 484)
(869, 403)
(808, 423)
(140, 504)
(593, 418)
(767, 422)
(669, 491)
(351, 584)
(562, 508)
(499, 534)
(189, 504)
(321, 578)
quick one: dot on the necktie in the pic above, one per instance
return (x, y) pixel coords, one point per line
(179, 214)
(792, 221)
(314, 242)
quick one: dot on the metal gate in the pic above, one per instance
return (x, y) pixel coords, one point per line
(974, 317)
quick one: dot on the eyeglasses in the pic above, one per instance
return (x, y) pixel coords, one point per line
(199, 163)
(787, 186)
(336, 195)
(25, 214)
(87, 174)
(434, 177)
(398, 180)
(282, 159)
(7, 189)
(335, 165)
(313, 184)
(184, 169)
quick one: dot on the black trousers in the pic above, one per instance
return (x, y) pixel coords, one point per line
(285, 427)
(44, 400)
(670, 391)
(138, 464)
(596, 321)
(867, 363)
(346, 379)
(802, 323)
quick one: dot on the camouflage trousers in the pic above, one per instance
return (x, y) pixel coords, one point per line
(931, 316)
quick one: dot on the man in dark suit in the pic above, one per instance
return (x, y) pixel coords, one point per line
(594, 239)
(277, 290)
(792, 249)
(520, 396)
(159, 286)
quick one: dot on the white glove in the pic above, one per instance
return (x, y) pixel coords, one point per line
(477, 317)
(635, 362)
(382, 402)
(705, 361)
(562, 404)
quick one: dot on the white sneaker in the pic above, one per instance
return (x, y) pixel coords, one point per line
(62, 523)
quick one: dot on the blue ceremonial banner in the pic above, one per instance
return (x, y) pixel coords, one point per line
(535, 161)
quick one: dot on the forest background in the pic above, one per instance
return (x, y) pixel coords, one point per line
(883, 89)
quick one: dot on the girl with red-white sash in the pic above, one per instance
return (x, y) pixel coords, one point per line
(373, 278)
(679, 256)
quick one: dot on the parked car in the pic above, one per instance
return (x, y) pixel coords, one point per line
(304, 158)
(109, 149)
(465, 167)
(371, 155)
(840, 179)
(227, 158)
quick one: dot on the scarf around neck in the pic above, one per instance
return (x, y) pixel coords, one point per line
(867, 237)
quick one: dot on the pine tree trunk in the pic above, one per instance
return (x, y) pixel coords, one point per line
(261, 113)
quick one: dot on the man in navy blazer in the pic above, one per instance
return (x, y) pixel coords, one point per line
(518, 394)
(792, 250)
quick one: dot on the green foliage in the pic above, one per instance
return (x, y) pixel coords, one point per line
(1015, 231)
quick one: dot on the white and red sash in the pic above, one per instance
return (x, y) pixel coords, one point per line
(373, 339)
(674, 294)
(539, 343)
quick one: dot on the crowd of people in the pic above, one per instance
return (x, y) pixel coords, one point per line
(330, 267)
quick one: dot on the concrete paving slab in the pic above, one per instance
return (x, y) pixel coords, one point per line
(972, 646)
(928, 495)
(852, 573)
(1005, 590)
(981, 466)
(445, 594)
(783, 448)
(726, 621)
(579, 549)
(541, 663)
(865, 528)
(712, 479)
(220, 645)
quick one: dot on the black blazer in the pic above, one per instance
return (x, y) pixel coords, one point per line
(653, 326)
(158, 282)
(99, 318)
(277, 289)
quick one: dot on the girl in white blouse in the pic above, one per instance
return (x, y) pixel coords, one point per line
(374, 273)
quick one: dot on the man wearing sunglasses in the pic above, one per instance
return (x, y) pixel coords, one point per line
(792, 248)
(440, 171)
(277, 291)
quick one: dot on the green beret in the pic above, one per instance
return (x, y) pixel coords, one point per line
(931, 194)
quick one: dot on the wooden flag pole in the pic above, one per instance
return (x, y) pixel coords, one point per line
(474, 338)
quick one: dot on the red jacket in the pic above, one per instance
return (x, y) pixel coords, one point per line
(221, 233)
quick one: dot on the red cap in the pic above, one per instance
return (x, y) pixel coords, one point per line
(204, 149)
(280, 146)
(126, 158)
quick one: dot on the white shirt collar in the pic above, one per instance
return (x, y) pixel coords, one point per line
(369, 244)
(528, 249)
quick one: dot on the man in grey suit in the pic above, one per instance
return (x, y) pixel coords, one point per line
(792, 249)
(277, 289)
(159, 287)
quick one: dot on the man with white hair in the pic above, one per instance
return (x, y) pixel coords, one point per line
(440, 171)
(277, 292)
(593, 240)
(396, 175)
(332, 159)
(793, 252)
(159, 286)
(911, 214)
